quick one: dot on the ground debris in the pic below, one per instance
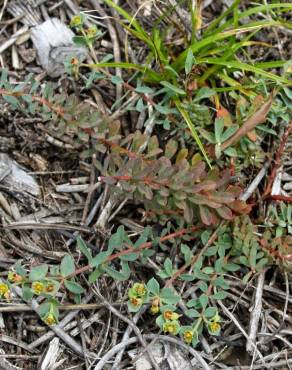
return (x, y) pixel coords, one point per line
(16, 177)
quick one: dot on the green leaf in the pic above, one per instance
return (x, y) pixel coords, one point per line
(211, 251)
(116, 240)
(204, 93)
(83, 248)
(209, 136)
(210, 312)
(100, 258)
(168, 266)
(96, 273)
(203, 286)
(221, 283)
(219, 295)
(160, 321)
(4, 78)
(143, 237)
(187, 277)
(19, 269)
(144, 90)
(168, 296)
(11, 100)
(117, 80)
(44, 309)
(185, 250)
(231, 152)
(174, 89)
(208, 270)
(38, 272)
(229, 132)
(80, 40)
(231, 267)
(153, 286)
(192, 313)
(67, 265)
(219, 126)
(203, 300)
(122, 275)
(73, 287)
(129, 257)
(172, 71)
(189, 61)
(27, 293)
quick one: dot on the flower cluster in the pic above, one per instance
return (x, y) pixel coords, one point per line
(138, 295)
(4, 291)
(163, 303)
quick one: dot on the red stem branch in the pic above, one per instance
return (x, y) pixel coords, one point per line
(278, 158)
(142, 247)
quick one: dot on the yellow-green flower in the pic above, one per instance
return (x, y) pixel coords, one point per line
(37, 287)
(14, 277)
(136, 302)
(50, 287)
(76, 21)
(188, 336)
(91, 31)
(214, 327)
(4, 290)
(139, 289)
(50, 319)
(171, 327)
(154, 309)
(170, 315)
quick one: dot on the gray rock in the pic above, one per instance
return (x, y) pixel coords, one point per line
(53, 43)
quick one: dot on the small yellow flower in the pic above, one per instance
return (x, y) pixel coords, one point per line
(76, 21)
(50, 288)
(154, 309)
(91, 31)
(4, 290)
(170, 315)
(37, 287)
(136, 302)
(188, 336)
(214, 327)
(50, 319)
(14, 277)
(140, 289)
(170, 327)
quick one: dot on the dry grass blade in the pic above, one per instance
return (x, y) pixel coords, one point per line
(257, 118)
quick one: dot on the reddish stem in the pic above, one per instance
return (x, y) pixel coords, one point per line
(211, 240)
(281, 197)
(143, 246)
(56, 109)
(278, 157)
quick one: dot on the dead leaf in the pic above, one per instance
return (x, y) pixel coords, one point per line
(257, 118)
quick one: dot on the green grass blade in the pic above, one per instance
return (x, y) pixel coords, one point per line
(156, 77)
(140, 32)
(284, 7)
(191, 126)
(247, 67)
(178, 64)
(218, 20)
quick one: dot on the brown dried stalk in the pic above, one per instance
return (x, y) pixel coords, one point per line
(257, 118)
